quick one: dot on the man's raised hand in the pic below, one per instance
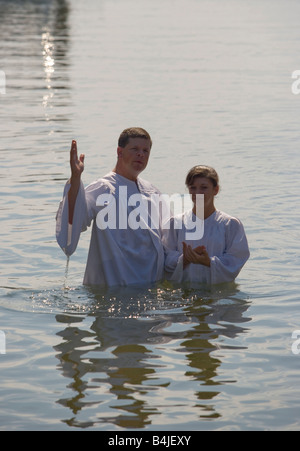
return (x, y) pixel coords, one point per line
(77, 165)
(77, 168)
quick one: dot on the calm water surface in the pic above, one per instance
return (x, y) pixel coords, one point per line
(211, 81)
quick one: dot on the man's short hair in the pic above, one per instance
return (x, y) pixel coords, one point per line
(133, 132)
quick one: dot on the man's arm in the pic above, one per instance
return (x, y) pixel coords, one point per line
(77, 168)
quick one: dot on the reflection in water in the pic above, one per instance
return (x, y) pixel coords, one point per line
(133, 354)
(35, 57)
(54, 43)
(48, 47)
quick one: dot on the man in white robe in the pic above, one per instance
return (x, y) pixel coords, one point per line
(126, 250)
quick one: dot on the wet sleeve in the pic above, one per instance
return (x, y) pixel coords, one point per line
(173, 257)
(68, 235)
(226, 268)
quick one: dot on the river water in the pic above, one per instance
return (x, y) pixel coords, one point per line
(212, 83)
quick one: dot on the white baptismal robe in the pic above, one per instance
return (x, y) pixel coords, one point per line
(118, 256)
(226, 244)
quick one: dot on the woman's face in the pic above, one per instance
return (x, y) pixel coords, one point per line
(203, 185)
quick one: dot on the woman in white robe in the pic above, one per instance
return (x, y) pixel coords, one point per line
(220, 254)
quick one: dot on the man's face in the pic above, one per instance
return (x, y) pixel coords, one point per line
(134, 156)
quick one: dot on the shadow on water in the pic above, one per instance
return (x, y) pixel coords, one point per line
(137, 354)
